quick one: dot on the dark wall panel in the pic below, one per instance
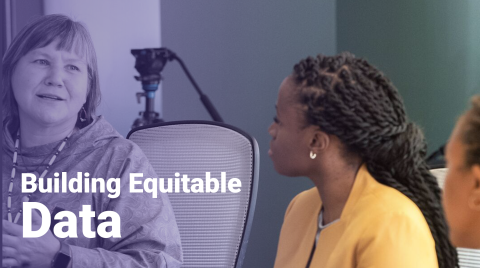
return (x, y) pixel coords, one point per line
(239, 52)
(429, 49)
(24, 11)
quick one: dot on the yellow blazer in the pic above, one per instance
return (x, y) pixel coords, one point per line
(379, 227)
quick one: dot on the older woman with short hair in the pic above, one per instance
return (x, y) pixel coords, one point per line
(462, 182)
(51, 90)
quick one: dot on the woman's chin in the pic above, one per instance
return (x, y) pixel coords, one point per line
(282, 170)
(465, 239)
(52, 119)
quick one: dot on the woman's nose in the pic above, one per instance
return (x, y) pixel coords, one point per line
(54, 77)
(271, 130)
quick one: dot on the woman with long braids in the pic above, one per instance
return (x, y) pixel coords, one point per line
(341, 123)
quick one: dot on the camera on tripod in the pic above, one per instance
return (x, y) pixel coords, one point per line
(149, 63)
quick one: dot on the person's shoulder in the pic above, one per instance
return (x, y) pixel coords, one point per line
(310, 195)
(384, 205)
(391, 231)
(376, 199)
(306, 201)
(121, 142)
(121, 146)
(388, 199)
(108, 139)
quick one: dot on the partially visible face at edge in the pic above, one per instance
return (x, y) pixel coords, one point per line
(50, 85)
(289, 147)
(460, 183)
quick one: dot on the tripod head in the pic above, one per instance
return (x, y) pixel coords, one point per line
(149, 63)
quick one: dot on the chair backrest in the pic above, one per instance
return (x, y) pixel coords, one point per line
(214, 227)
(467, 258)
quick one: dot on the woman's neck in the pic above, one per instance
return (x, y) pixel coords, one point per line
(334, 186)
(34, 135)
(469, 238)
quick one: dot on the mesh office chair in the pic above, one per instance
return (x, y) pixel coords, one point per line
(214, 227)
(467, 258)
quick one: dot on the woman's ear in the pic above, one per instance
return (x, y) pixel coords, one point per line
(320, 141)
(474, 199)
(476, 176)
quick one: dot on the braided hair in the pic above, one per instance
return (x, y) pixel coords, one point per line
(349, 98)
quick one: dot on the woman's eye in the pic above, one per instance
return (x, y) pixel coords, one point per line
(42, 62)
(275, 119)
(73, 68)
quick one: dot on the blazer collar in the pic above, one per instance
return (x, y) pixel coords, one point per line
(363, 180)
